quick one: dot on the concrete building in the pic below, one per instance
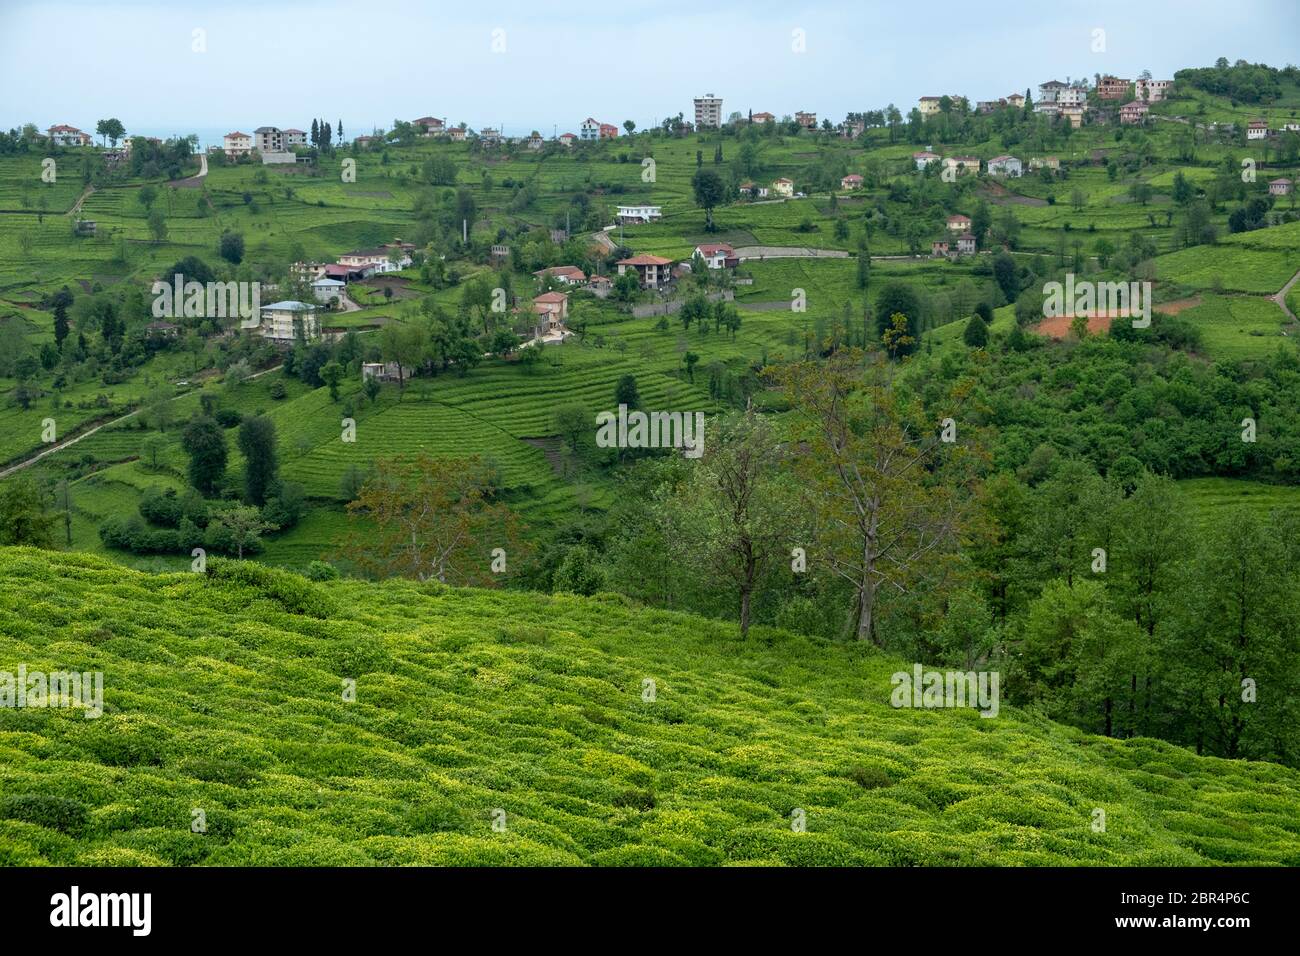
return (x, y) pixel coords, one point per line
(708, 111)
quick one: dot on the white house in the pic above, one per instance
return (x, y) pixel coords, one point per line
(281, 321)
(717, 255)
(783, 187)
(959, 223)
(636, 214)
(1257, 129)
(388, 258)
(294, 137)
(1072, 96)
(1152, 91)
(237, 144)
(962, 165)
(68, 136)
(328, 290)
(1005, 166)
(590, 129)
(924, 158)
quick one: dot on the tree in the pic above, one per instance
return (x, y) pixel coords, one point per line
(1004, 273)
(573, 423)
(151, 451)
(709, 193)
(111, 129)
(404, 345)
(430, 519)
(976, 335)
(231, 247)
(146, 196)
(239, 529)
(257, 445)
(157, 225)
(736, 516)
(24, 518)
(884, 493)
(625, 392)
(898, 298)
(629, 126)
(331, 374)
(205, 443)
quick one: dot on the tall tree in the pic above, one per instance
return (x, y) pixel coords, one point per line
(709, 193)
(205, 443)
(261, 464)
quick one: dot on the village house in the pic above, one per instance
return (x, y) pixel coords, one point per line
(924, 158)
(783, 187)
(347, 273)
(535, 141)
(280, 322)
(489, 136)
(601, 286)
(959, 223)
(384, 371)
(1135, 112)
(456, 134)
(1016, 99)
(629, 215)
(1113, 88)
(851, 181)
(1005, 166)
(1074, 114)
(1279, 187)
(1152, 91)
(237, 144)
(608, 131)
(569, 275)
(853, 128)
(1048, 92)
(429, 126)
(806, 120)
(762, 118)
(68, 136)
(988, 106)
(389, 257)
(499, 253)
(1291, 127)
(717, 255)
(590, 129)
(939, 248)
(653, 271)
(1257, 129)
(328, 290)
(567, 139)
(928, 105)
(85, 227)
(1045, 162)
(966, 244)
(551, 310)
(1072, 96)
(962, 165)
(294, 137)
(268, 139)
(365, 141)
(752, 190)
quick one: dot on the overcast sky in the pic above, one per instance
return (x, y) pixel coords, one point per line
(281, 62)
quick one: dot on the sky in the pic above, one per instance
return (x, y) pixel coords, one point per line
(187, 66)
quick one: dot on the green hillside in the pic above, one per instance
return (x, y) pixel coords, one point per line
(223, 693)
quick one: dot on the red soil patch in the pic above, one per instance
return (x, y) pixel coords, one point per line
(1058, 326)
(1178, 305)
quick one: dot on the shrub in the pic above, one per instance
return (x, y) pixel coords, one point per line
(54, 813)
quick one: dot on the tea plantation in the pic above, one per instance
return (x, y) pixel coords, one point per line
(224, 693)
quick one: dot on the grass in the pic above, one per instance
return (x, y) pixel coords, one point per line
(1240, 326)
(1213, 497)
(224, 692)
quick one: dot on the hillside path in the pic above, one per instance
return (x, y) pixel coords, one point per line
(1280, 298)
(59, 446)
(85, 194)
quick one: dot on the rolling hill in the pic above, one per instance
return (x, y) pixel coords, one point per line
(224, 694)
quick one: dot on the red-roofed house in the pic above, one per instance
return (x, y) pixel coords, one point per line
(429, 125)
(608, 131)
(763, 118)
(551, 309)
(653, 271)
(237, 144)
(939, 247)
(851, 181)
(1279, 187)
(567, 139)
(959, 223)
(924, 158)
(1257, 129)
(68, 136)
(717, 255)
(1134, 112)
